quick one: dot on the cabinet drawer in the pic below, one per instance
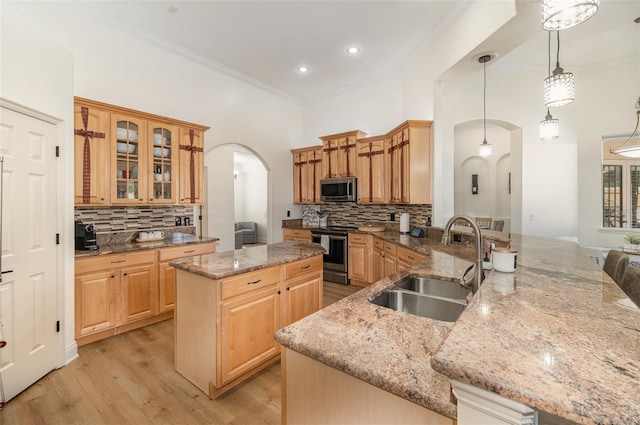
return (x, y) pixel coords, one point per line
(390, 248)
(303, 266)
(111, 261)
(250, 281)
(191, 250)
(378, 244)
(409, 256)
(358, 238)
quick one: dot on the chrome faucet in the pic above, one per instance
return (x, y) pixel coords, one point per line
(479, 276)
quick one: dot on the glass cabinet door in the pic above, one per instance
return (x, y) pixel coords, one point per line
(163, 172)
(130, 166)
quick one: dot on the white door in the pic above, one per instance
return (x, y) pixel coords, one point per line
(28, 306)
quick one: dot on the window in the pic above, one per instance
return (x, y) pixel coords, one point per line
(620, 188)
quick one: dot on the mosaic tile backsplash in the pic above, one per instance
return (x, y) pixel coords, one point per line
(129, 219)
(349, 213)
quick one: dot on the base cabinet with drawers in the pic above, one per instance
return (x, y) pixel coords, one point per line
(372, 258)
(225, 328)
(303, 235)
(116, 293)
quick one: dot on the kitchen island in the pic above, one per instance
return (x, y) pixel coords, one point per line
(551, 336)
(230, 304)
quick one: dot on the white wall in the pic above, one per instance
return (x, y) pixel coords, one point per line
(38, 73)
(255, 200)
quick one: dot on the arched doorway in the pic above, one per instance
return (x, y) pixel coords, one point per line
(237, 188)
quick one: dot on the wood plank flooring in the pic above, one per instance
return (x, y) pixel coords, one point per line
(130, 379)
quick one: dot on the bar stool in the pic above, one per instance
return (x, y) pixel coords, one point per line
(615, 265)
(631, 284)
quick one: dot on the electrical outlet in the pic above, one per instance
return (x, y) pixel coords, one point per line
(531, 217)
(288, 213)
(457, 238)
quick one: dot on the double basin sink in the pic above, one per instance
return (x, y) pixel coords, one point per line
(426, 297)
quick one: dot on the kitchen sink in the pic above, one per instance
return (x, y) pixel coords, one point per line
(426, 297)
(433, 287)
(420, 305)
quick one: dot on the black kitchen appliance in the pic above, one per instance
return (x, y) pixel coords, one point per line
(85, 236)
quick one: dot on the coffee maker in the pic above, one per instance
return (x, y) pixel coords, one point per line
(85, 236)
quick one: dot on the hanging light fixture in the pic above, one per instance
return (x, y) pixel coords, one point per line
(559, 88)
(484, 150)
(632, 150)
(549, 128)
(563, 14)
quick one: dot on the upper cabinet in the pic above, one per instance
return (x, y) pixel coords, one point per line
(409, 163)
(191, 165)
(92, 143)
(371, 156)
(127, 157)
(339, 154)
(307, 172)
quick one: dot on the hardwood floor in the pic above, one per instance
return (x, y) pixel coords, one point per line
(130, 379)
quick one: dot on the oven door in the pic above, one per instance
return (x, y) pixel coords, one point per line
(335, 259)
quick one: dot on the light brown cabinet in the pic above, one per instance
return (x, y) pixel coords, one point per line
(407, 257)
(360, 259)
(339, 154)
(409, 163)
(92, 155)
(303, 235)
(191, 154)
(371, 156)
(378, 259)
(307, 172)
(389, 258)
(115, 293)
(225, 328)
(128, 157)
(167, 273)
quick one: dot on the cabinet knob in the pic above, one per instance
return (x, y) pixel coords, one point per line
(141, 199)
(102, 199)
(124, 274)
(288, 289)
(279, 292)
(113, 276)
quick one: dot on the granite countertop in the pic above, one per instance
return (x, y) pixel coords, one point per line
(170, 240)
(229, 263)
(388, 349)
(551, 336)
(561, 343)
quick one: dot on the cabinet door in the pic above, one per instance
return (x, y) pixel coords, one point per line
(95, 302)
(299, 176)
(371, 158)
(302, 297)
(92, 156)
(166, 287)
(248, 323)
(129, 160)
(389, 264)
(313, 175)
(360, 258)
(191, 152)
(397, 167)
(162, 174)
(330, 152)
(378, 265)
(139, 292)
(347, 156)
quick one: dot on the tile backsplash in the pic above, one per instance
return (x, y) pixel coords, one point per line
(127, 219)
(349, 213)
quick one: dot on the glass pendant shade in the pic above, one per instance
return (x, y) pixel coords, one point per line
(484, 150)
(549, 128)
(563, 14)
(631, 150)
(559, 88)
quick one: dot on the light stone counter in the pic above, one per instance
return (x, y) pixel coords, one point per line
(229, 263)
(550, 336)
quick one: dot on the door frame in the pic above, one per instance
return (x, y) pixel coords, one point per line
(64, 250)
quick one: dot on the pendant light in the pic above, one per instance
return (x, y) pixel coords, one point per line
(631, 150)
(559, 88)
(484, 150)
(549, 128)
(563, 14)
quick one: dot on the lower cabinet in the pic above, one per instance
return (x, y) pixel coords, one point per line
(360, 259)
(389, 258)
(118, 292)
(303, 235)
(407, 257)
(225, 328)
(378, 259)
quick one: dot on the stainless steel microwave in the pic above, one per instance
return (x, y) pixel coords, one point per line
(338, 190)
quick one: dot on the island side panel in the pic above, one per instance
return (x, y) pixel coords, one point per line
(314, 393)
(195, 329)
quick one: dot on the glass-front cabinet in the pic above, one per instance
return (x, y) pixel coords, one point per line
(130, 153)
(163, 173)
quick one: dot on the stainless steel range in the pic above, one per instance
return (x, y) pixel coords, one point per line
(334, 241)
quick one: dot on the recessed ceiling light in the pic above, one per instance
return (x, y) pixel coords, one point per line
(303, 69)
(353, 50)
(173, 9)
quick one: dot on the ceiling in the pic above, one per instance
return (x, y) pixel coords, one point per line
(263, 42)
